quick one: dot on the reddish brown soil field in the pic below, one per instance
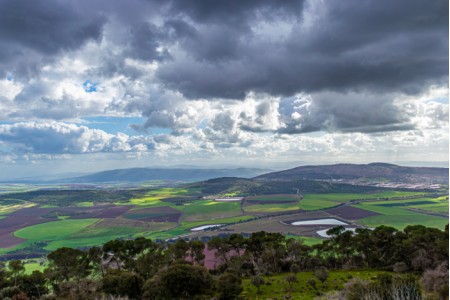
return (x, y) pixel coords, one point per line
(8, 241)
(351, 213)
(154, 214)
(113, 212)
(168, 218)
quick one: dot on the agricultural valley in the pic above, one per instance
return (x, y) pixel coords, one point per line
(37, 219)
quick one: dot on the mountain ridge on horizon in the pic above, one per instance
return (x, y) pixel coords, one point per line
(343, 171)
(371, 171)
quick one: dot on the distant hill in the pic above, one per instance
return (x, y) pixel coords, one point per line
(146, 174)
(369, 172)
(247, 187)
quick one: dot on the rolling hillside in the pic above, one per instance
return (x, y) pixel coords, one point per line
(364, 172)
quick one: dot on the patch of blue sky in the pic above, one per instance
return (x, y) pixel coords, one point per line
(9, 77)
(121, 124)
(203, 124)
(443, 100)
(89, 86)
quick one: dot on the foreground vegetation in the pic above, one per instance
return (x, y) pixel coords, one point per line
(383, 263)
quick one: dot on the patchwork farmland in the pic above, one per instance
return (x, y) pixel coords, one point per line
(29, 226)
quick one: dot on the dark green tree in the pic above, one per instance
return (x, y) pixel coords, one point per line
(65, 264)
(180, 281)
(196, 249)
(229, 286)
(179, 249)
(122, 284)
(34, 284)
(15, 269)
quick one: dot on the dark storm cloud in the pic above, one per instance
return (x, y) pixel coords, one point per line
(373, 45)
(145, 42)
(44, 27)
(236, 13)
(341, 52)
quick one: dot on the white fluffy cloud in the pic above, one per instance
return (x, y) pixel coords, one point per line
(62, 138)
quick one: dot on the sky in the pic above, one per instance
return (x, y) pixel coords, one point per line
(104, 84)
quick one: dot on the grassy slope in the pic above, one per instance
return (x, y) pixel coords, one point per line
(278, 286)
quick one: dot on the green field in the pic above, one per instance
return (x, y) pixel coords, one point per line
(155, 197)
(53, 230)
(209, 210)
(281, 197)
(276, 287)
(75, 233)
(313, 203)
(320, 201)
(272, 208)
(398, 217)
(85, 204)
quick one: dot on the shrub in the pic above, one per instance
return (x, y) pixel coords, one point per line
(321, 274)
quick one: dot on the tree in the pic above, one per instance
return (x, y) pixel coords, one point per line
(94, 256)
(221, 247)
(85, 288)
(229, 286)
(297, 251)
(3, 275)
(122, 284)
(34, 285)
(294, 269)
(257, 281)
(15, 268)
(196, 249)
(179, 249)
(66, 263)
(179, 281)
(151, 261)
(12, 293)
(236, 242)
(260, 241)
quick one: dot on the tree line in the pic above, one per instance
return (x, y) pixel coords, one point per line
(144, 269)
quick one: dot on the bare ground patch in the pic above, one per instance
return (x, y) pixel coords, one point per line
(351, 213)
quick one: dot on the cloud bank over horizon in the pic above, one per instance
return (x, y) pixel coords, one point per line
(218, 82)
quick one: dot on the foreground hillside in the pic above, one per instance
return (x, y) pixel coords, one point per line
(382, 263)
